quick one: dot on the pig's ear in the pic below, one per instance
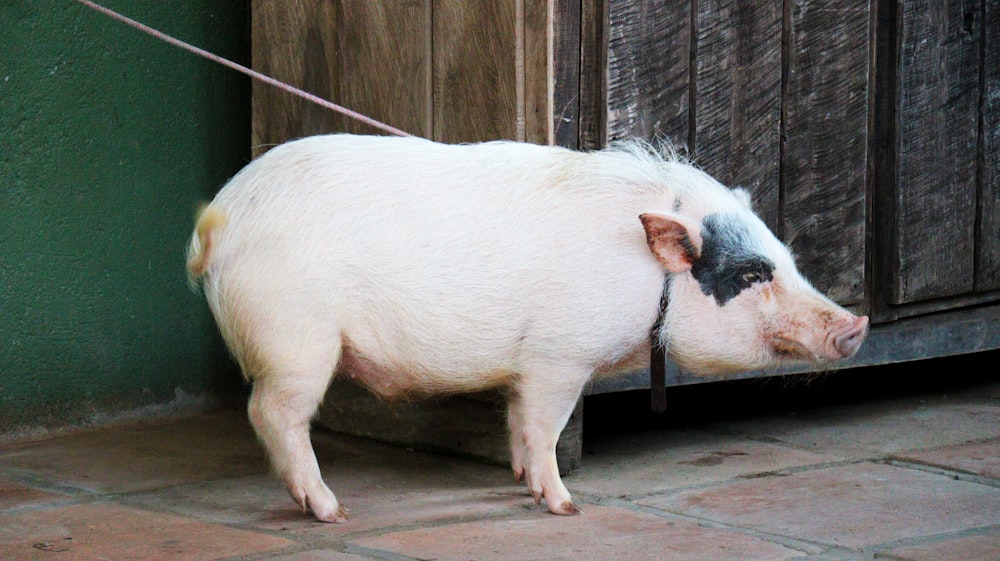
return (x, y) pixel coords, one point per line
(744, 197)
(674, 240)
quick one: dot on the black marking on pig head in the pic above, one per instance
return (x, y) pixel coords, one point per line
(730, 261)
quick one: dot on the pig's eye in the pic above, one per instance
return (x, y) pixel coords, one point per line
(751, 277)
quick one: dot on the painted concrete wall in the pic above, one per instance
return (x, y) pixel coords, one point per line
(108, 141)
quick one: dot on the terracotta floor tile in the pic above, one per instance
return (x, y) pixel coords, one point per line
(600, 533)
(983, 547)
(874, 430)
(14, 495)
(383, 486)
(143, 456)
(318, 555)
(980, 458)
(654, 461)
(854, 505)
(110, 531)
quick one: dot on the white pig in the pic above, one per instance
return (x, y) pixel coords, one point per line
(417, 268)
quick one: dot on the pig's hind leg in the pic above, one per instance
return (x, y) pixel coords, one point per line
(285, 397)
(537, 413)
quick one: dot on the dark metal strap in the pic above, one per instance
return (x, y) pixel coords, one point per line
(658, 377)
(658, 358)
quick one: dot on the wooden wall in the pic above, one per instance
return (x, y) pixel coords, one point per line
(936, 201)
(451, 70)
(945, 183)
(867, 132)
(988, 232)
(771, 99)
(825, 121)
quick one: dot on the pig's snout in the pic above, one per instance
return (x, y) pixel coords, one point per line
(838, 339)
(849, 338)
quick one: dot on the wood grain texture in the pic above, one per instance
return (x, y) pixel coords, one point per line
(988, 236)
(593, 73)
(278, 50)
(371, 57)
(882, 167)
(824, 156)
(738, 98)
(451, 70)
(938, 125)
(536, 97)
(475, 70)
(648, 69)
(383, 63)
(566, 34)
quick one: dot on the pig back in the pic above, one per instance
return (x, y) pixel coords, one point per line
(447, 260)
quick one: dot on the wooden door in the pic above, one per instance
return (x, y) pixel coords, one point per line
(938, 208)
(771, 99)
(449, 70)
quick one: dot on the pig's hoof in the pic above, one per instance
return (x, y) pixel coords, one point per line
(338, 516)
(565, 508)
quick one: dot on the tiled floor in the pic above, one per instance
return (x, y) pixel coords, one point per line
(905, 476)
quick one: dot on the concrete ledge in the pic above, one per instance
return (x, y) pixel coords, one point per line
(473, 425)
(468, 425)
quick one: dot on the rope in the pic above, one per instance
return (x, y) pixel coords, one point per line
(240, 68)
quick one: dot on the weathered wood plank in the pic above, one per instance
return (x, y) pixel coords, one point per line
(383, 63)
(648, 67)
(278, 49)
(566, 30)
(487, 77)
(534, 64)
(358, 53)
(593, 73)
(737, 100)
(824, 157)
(882, 167)
(475, 70)
(988, 237)
(938, 125)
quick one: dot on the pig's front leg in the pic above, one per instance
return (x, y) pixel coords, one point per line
(536, 415)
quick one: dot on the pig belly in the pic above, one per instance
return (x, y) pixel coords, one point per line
(394, 382)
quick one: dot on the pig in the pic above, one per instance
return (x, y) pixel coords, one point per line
(418, 268)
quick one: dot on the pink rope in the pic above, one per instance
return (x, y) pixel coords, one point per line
(240, 68)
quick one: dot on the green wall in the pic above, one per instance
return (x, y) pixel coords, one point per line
(108, 141)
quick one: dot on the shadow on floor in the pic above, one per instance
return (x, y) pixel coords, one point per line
(625, 412)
